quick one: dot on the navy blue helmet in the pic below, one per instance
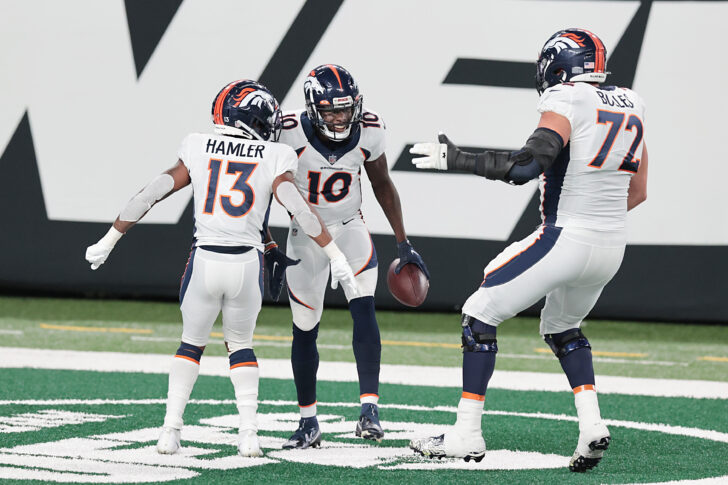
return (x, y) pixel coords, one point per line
(332, 93)
(571, 55)
(247, 109)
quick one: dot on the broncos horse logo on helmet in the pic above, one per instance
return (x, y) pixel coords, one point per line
(571, 55)
(330, 89)
(247, 109)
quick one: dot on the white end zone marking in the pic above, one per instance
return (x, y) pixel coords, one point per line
(14, 357)
(48, 418)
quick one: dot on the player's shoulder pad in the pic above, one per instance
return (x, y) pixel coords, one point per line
(372, 119)
(289, 113)
(373, 135)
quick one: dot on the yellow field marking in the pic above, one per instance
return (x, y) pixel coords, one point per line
(72, 328)
(384, 342)
(599, 353)
(713, 359)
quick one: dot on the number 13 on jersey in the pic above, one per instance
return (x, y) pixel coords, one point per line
(244, 171)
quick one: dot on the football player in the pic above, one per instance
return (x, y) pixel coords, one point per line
(334, 137)
(590, 155)
(234, 173)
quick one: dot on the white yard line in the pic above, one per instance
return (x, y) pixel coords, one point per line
(256, 342)
(656, 427)
(435, 376)
(4, 331)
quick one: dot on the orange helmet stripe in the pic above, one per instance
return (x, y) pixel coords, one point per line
(336, 72)
(601, 52)
(217, 112)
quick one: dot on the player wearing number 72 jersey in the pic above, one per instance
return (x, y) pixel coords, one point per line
(234, 174)
(589, 152)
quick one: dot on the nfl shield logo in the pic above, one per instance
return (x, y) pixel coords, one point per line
(332, 159)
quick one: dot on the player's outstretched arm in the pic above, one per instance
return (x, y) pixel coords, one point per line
(158, 189)
(517, 167)
(306, 216)
(388, 198)
(637, 192)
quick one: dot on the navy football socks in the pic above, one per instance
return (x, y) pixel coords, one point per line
(367, 344)
(478, 367)
(305, 362)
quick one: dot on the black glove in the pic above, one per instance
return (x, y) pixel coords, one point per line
(407, 254)
(276, 263)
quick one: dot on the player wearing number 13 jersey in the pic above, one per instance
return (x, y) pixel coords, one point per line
(334, 137)
(589, 153)
(234, 174)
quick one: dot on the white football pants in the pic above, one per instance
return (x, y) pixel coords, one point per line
(308, 279)
(229, 282)
(568, 266)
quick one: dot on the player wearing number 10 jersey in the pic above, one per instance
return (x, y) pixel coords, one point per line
(590, 155)
(334, 138)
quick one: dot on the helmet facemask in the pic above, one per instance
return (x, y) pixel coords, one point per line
(336, 120)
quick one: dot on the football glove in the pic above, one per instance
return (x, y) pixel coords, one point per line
(435, 154)
(276, 263)
(407, 255)
(341, 273)
(96, 254)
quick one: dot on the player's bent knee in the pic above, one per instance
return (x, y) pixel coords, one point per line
(234, 345)
(478, 336)
(565, 342)
(305, 322)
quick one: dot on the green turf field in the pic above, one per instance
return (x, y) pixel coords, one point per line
(100, 427)
(621, 348)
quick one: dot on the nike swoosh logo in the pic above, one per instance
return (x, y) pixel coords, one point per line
(346, 222)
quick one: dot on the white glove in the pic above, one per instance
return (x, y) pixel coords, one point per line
(435, 155)
(341, 272)
(96, 254)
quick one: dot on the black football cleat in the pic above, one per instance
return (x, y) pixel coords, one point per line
(368, 426)
(308, 435)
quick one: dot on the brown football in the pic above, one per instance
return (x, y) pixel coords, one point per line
(410, 286)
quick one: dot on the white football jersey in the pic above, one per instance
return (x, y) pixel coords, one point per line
(232, 182)
(587, 184)
(329, 174)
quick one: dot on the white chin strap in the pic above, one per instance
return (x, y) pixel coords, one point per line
(333, 135)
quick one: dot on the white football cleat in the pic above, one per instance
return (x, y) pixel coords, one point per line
(248, 444)
(593, 441)
(453, 444)
(168, 443)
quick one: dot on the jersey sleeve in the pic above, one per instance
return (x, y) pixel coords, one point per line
(287, 161)
(558, 99)
(185, 149)
(373, 127)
